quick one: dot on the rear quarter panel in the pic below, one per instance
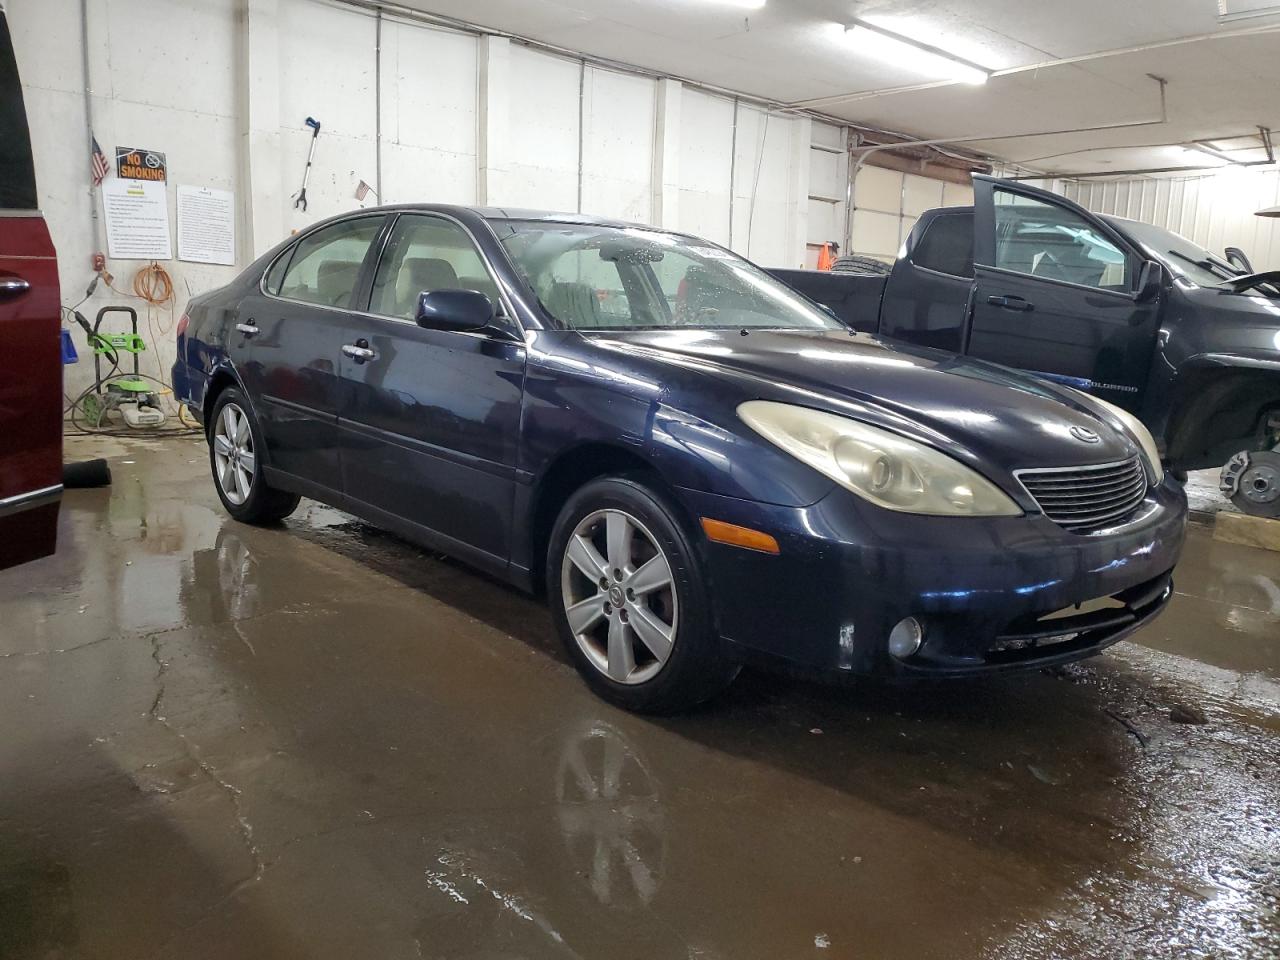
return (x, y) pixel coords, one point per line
(30, 387)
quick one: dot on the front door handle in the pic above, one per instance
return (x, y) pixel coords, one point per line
(1011, 303)
(248, 329)
(11, 286)
(359, 351)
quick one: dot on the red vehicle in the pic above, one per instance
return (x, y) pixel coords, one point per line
(31, 380)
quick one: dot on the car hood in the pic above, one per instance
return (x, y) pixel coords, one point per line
(979, 411)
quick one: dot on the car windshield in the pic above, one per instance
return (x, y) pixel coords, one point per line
(592, 277)
(1187, 259)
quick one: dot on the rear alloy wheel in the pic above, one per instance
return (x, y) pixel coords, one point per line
(630, 601)
(235, 445)
(1252, 480)
(233, 461)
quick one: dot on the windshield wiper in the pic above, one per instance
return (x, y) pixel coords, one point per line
(1205, 264)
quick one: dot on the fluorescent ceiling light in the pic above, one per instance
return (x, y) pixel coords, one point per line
(737, 4)
(912, 54)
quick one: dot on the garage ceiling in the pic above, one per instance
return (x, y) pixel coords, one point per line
(1221, 80)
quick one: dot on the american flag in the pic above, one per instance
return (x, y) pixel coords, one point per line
(98, 163)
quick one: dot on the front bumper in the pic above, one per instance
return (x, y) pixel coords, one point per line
(848, 571)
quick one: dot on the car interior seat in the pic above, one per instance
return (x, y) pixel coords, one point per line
(420, 274)
(574, 304)
(336, 280)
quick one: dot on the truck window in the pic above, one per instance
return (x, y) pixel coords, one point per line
(17, 171)
(947, 245)
(1046, 240)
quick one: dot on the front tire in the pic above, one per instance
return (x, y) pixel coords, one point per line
(629, 599)
(235, 457)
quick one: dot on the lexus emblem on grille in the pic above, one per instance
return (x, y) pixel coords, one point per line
(1085, 435)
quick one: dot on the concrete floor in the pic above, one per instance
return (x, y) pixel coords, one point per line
(317, 741)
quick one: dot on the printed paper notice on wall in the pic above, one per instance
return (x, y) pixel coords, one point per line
(137, 215)
(206, 225)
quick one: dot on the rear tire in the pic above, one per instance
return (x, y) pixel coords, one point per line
(621, 565)
(235, 457)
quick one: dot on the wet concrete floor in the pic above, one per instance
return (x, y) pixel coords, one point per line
(318, 741)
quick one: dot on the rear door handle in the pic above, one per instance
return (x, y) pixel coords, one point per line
(11, 286)
(359, 351)
(1011, 303)
(248, 329)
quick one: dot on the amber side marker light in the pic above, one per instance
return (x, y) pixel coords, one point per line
(736, 536)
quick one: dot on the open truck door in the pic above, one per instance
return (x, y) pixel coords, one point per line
(1060, 293)
(31, 384)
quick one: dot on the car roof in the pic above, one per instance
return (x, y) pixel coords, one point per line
(509, 213)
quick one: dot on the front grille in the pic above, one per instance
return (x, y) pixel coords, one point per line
(1083, 499)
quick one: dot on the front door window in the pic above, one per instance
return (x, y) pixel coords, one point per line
(1045, 240)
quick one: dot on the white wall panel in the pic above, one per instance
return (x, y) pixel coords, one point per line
(327, 69)
(760, 186)
(428, 115)
(828, 183)
(617, 149)
(706, 157)
(544, 133)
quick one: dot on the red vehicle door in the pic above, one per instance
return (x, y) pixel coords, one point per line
(31, 377)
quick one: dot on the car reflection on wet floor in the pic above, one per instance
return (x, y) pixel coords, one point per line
(320, 741)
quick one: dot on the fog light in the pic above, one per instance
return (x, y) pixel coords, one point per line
(905, 638)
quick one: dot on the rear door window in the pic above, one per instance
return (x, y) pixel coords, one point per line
(947, 246)
(325, 268)
(17, 170)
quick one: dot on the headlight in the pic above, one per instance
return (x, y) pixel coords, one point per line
(1137, 430)
(885, 468)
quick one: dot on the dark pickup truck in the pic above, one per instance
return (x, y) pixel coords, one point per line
(1135, 314)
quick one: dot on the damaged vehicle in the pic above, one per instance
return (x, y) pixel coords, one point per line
(696, 464)
(1186, 340)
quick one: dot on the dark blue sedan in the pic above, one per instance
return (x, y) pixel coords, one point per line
(698, 465)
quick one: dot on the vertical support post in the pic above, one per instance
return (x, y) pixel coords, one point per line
(261, 196)
(377, 105)
(665, 211)
(582, 120)
(798, 190)
(94, 226)
(733, 171)
(494, 113)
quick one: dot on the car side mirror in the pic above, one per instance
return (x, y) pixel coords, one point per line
(1150, 280)
(459, 310)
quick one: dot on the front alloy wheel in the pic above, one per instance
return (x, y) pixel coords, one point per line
(618, 597)
(630, 597)
(233, 458)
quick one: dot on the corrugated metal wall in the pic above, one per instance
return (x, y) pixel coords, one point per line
(1215, 210)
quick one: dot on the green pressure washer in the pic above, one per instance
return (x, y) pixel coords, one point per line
(132, 396)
